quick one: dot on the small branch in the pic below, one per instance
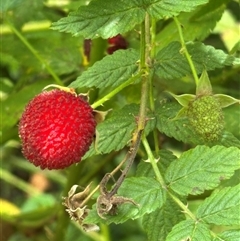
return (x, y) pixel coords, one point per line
(115, 91)
(131, 156)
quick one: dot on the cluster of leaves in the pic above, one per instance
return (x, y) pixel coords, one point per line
(165, 182)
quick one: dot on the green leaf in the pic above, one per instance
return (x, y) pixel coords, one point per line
(202, 168)
(112, 70)
(228, 140)
(180, 129)
(160, 222)
(146, 192)
(118, 16)
(196, 24)
(189, 230)
(116, 131)
(102, 19)
(8, 5)
(171, 63)
(229, 235)
(222, 207)
(231, 118)
(168, 8)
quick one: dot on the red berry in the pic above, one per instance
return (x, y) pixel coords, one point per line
(56, 129)
(117, 42)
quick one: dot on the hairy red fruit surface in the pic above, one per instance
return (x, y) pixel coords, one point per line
(56, 129)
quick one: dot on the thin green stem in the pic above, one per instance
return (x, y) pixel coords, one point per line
(115, 91)
(153, 162)
(184, 48)
(182, 206)
(36, 54)
(160, 179)
(17, 182)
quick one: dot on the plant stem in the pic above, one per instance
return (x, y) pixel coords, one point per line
(151, 91)
(17, 182)
(161, 180)
(144, 57)
(182, 206)
(153, 162)
(184, 48)
(115, 91)
(36, 54)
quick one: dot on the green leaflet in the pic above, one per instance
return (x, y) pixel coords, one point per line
(116, 131)
(119, 16)
(160, 222)
(222, 207)
(171, 63)
(189, 230)
(177, 128)
(229, 235)
(202, 168)
(112, 70)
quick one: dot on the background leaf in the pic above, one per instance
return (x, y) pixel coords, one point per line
(202, 168)
(196, 24)
(112, 70)
(189, 230)
(222, 207)
(171, 63)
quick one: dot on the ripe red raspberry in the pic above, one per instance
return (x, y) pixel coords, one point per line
(56, 129)
(117, 42)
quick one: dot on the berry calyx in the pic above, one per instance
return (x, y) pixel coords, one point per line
(206, 117)
(56, 129)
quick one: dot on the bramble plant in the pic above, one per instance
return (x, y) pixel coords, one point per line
(164, 92)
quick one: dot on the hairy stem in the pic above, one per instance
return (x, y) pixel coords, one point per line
(184, 48)
(151, 90)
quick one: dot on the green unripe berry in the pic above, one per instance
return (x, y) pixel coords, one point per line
(206, 117)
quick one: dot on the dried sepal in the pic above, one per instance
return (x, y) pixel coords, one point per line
(108, 201)
(75, 208)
